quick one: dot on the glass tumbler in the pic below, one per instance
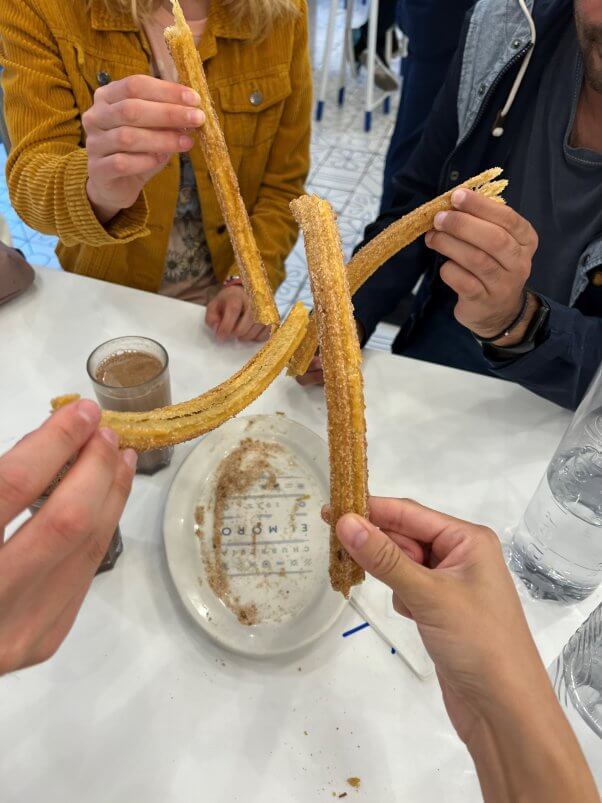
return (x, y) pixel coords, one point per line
(131, 395)
(557, 547)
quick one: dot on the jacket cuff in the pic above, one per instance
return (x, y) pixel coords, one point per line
(126, 226)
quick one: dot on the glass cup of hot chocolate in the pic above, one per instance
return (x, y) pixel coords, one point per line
(131, 374)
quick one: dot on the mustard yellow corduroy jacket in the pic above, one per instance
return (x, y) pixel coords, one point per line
(56, 54)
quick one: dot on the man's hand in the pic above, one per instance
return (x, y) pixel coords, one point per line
(47, 567)
(490, 250)
(229, 315)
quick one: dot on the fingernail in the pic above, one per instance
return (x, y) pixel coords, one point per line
(352, 532)
(458, 197)
(110, 436)
(131, 458)
(195, 117)
(88, 410)
(191, 98)
(186, 143)
(428, 237)
(440, 219)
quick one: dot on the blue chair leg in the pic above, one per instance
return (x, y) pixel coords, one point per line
(367, 121)
(319, 110)
(387, 105)
(341, 96)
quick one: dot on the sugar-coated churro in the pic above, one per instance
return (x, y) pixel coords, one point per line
(177, 423)
(394, 238)
(248, 259)
(341, 358)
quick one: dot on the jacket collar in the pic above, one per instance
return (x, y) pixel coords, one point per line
(220, 22)
(105, 20)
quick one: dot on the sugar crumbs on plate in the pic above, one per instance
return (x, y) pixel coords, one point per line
(240, 470)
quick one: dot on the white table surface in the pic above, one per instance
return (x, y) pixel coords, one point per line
(138, 705)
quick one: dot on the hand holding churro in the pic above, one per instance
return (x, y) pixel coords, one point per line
(489, 249)
(393, 239)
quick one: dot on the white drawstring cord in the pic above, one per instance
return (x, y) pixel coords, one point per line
(498, 130)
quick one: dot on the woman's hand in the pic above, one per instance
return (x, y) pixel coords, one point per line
(449, 576)
(47, 567)
(132, 130)
(229, 315)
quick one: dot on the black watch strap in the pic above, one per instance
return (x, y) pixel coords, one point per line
(534, 336)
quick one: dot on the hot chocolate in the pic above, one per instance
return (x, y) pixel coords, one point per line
(131, 374)
(126, 369)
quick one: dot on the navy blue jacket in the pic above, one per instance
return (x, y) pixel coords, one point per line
(562, 366)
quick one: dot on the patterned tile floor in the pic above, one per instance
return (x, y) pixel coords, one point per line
(347, 166)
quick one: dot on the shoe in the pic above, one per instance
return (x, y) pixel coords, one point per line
(384, 77)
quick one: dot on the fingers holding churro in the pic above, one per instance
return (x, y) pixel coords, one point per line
(393, 239)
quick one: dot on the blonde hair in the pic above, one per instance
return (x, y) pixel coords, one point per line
(260, 15)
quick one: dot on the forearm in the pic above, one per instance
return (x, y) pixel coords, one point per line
(525, 751)
(49, 191)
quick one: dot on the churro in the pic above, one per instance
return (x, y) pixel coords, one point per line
(395, 238)
(341, 359)
(248, 259)
(177, 423)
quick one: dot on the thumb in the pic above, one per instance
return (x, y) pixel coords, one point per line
(382, 558)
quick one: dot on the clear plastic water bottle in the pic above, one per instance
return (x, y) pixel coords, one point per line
(577, 678)
(557, 547)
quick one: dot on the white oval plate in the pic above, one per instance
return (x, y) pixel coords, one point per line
(275, 546)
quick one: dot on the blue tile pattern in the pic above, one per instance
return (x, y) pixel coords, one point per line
(38, 248)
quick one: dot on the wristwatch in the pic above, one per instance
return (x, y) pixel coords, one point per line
(534, 336)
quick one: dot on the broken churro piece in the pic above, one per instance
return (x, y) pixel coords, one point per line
(341, 358)
(181, 422)
(248, 259)
(393, 239)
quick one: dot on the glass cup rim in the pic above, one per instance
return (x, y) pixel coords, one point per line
(119, 339)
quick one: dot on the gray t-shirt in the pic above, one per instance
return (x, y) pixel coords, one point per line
(558, 188)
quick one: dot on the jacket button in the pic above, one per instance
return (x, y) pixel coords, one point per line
(516, 44)
(221, 229)
(103, 78)
(454, 175)
(597, 278)
(256, 98)
(482, 89)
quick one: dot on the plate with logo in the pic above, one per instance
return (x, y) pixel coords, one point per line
(246, 545)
